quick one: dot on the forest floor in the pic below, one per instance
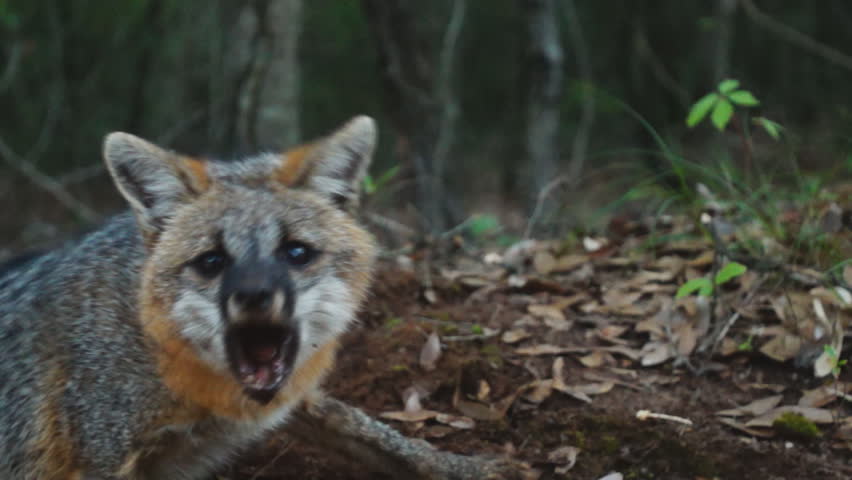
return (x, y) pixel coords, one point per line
(547, 351)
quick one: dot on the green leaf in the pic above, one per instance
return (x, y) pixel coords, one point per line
(369, 185)
(386, 177)
(728, 85)
(700, 108)
(772, 128)
(744, 98)
(729, 271)
(722, 113)
(701, 284)
(483, 224)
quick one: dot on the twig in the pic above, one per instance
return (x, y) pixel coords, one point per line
(347, 431)
(646, 414)
(46, 183)
(795, 37)
(542, 196)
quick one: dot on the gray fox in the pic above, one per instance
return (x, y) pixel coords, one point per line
(175, 335)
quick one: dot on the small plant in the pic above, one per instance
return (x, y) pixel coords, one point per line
(372, 186)
(721, 102)
(704, 286)
(747, 345)
(834, 360)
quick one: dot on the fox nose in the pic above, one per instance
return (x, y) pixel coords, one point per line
(253, 300)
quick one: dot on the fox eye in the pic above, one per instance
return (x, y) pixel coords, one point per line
(298, 254)
(209, 264)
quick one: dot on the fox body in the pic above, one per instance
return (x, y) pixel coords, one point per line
(178, 333)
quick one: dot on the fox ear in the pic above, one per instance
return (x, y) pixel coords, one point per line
(335, 165)
(154, 181)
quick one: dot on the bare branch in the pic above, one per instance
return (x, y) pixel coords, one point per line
(46, 183)
(339, 428)
(542, 196)
(795, 37)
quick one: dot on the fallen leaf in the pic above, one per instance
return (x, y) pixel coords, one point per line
(612, 476)
(593, 244)
(430, 295)
(539, 390)
(514, 336)
(595, 359)
(619, 298)
(567, 263)
(456, 421)
(544, 262)
(403, 416)
(705, 259)
(655, 353)
(747, 430)
(687, 339)
(816, 415)
(821, 396)
(847, 274)
(782, 347)
(483, 391)
(546, 311)
(431, 352)
(755, 408)
(565, 456)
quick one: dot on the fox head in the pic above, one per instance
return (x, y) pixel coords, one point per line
(253, 264)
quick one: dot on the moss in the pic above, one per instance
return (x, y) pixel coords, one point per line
(609, 444)
(795, 425)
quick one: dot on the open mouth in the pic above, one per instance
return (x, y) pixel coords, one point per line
(262, 357)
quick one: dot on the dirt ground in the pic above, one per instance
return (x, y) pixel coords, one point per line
(381, 359)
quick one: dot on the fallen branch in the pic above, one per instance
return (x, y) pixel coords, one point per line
(347, 431)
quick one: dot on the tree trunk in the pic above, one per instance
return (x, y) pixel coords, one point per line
(261, 89)
(417, 101)
(543, 89)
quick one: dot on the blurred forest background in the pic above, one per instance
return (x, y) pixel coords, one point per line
(482, 105)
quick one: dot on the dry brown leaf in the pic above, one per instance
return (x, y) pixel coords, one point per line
(544, 262)
(782, 347)
(565, 456)
(619, 298)
(589, 388)
(847, 274)
(483, 391)
(772, 387)
(558, 366)
(728, 347)
(595, 359)
(478, 410)
(567, 263)
(816, 415)
(514, 336)
(655, 353)
(559, 325)
(750, 431)
(456, 421)
(686, 339)
(539, 390)
(705, 259)
(821, 396)
(670, 263)
(546, 311)
(755, 408)
(409, 417)
(431, 352)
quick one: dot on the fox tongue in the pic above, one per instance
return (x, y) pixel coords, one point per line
(263, 375)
